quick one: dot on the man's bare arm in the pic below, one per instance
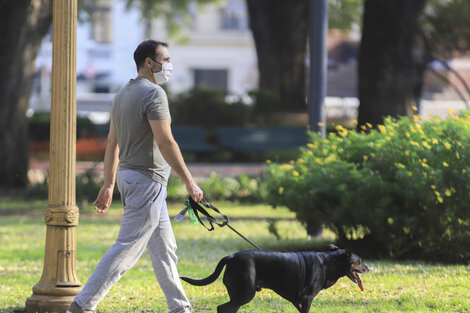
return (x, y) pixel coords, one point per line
(111, 160)
(171, 152)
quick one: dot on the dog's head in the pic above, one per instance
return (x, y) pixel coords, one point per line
(355, 268)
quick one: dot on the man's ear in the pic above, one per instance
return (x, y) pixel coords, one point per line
(333, 247)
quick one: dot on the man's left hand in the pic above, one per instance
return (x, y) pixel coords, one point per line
(105, 197)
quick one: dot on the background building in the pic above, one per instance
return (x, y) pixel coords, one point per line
(216, 51)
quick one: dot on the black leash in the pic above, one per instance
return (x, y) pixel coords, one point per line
(197, 208)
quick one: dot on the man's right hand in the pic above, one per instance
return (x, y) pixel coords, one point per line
(105, 197)
(194, 191)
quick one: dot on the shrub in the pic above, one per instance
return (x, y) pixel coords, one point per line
(207, 107)
(404, 187)
(242, 188)
(176, 190)
(211, 107)
(88, 185)
(39, 126)
(266, 106)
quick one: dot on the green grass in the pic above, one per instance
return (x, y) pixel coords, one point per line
(389, 287)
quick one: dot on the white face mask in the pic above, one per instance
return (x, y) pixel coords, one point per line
(164, 75)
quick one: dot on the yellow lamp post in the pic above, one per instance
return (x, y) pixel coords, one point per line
(59, 282)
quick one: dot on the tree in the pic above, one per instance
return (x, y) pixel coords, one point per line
(444, 34)
(388, 75)
(175, 13)
(23, 24)
(280, 32)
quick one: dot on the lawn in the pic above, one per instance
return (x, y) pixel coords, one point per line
(389, 287)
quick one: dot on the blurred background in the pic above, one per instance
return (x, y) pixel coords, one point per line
(391, 172)
(239, 89)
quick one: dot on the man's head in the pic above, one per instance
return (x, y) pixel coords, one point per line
(150, 55)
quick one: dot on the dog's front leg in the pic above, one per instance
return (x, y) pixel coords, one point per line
(306, 304)
(228, 308)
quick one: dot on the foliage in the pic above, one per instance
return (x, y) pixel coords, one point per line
(207, 107)
(212, 107)
(88, 184)
(404, 187)
(343, 14)
(177, 14)
(445, 34)
(445, 25)
(39, 126)
(266, 106)
(241, 188)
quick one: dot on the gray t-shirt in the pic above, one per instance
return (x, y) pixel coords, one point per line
(135, 103)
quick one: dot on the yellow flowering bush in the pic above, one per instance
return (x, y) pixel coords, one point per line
(403, 187)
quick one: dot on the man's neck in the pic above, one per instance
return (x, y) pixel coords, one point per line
(145, 73)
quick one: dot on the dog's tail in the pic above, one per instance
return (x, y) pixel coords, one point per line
(212, 277)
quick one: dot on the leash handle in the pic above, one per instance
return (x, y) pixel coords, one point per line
(197, 208)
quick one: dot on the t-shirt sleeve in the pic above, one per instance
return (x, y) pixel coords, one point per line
(157, 105)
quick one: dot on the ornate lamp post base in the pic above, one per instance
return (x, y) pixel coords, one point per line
(47, 303)
(59, 282)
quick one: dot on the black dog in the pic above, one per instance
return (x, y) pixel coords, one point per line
(297, 277)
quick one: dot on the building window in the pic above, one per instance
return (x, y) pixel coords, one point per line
(211, 79)
(234, 15)
(95, 54)
(102, 22)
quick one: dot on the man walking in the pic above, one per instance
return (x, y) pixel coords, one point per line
(141, 143)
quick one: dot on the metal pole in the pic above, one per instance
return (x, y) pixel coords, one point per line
(59, 282)
(318, 30)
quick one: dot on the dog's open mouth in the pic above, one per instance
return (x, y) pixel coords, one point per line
(358, 280)
(357, 267)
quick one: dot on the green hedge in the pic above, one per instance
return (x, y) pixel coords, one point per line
(211, 108)
(404, 189)
(207, 108)
(39, 126)
(242, 188)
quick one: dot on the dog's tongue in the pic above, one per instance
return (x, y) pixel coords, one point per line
(359, 282)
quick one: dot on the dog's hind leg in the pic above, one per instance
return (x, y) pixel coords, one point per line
(241, 290)
(238, 297)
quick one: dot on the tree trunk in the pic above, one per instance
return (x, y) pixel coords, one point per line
(388, 77)
(23, 24)
(279, 30)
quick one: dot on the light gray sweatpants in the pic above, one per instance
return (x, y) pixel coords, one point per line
(145, 223)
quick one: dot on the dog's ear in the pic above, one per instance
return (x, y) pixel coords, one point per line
(344, 253)
(333, 247)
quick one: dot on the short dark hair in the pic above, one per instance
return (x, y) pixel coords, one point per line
(146, 49)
